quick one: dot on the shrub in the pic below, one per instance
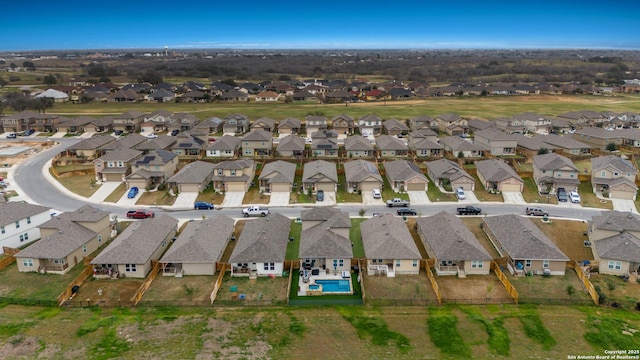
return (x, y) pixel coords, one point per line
(162, 187)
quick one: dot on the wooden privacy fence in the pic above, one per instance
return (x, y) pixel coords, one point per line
(84, 275)
(8, 252)
(511, 290)
(361, 274)
(218, 283)
(585, 281)
(434, 284)
(143, 288)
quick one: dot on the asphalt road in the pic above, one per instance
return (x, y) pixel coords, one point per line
(28, 175)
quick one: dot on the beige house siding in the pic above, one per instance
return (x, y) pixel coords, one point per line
(199, 269)
(603, 267)
(406, 267)
(326, 186)
(484, 270)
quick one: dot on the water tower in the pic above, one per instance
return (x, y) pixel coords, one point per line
(166, 51)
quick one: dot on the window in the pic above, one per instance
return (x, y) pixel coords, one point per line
(233, 173)
(28, 219)
(2, 231)
(615, 265)
(24, 237)
(545, 264)
(84, 249)
(27, 262)
(559, 174)
(110, 164)
(220, 171)
(615, 173)
(17, 224)
(269, 266)
(415, 263)
(477, 264)
(99, 238)
(527, 263)
(120, 164)
(397, 263)
(341, 262)
(603, 174)
(130, 267)
(58, 261)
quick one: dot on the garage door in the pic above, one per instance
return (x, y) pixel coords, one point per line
(466, 186)
(326, 186)
(369, 185)
(511, 188)
(236, 186)
(113, 177)
(416, 187)
(140, 183)
(189, 188)
(617, 194)
(280, 187)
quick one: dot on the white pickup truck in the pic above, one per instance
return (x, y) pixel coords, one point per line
(397, 203)
(255, 211)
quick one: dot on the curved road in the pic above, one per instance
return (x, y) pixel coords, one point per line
(30, 179)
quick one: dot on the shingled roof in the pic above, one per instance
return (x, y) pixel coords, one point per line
(387, 237)
(403, 170)
(16, 210)
(201, 241)
(263, 240)
(495, 170)
(360, 170)
(320, 241)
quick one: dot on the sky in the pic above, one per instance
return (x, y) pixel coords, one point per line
(328, 24)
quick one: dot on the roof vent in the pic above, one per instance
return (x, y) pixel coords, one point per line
(60, 232)
(534, 238)
(608, 222)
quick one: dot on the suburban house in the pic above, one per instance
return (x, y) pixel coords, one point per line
(343, 124)
(199, 247)
(324, 146)
(65, 240)
(277, 176)
(129, 121)
(225, 146)
(189, 145)
(600, 138)
(497, 175)
(454, 249)
(289, 126)
(89, 148)
(613, 175)
(74, 125)
(532, 146)
(313, 123)
(324, 242)
(131, 253)
(236, 124)
(152, 169)
(496, 141)
(130, 141)
(423, 122)
(181, 122)
(157, 121)
(100, 125)
(257, 143)
(615, 239)
(389, 247)
(19, 223)
(394, 127)
(27, 119)
(450, 175)
(458, 146)
(567, 144)
(535, 123)
(479, 124)
(357, 146)
(160, 143)
(425, 143)
(404, 175)
(527, 248)
(552, 171)
(389, 146)
(115, 165)
(265, 124)
(291, 145)
(235, 175)
(211, 125)
(370, 125)
(162, 96)
(267, 96)
(193, 177)
(452, 124)
(511, 125)
(319, 175)
(261, 248)
(362, 175)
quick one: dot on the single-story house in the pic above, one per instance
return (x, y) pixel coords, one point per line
(291, 145)
(389, 247)
(319, 175)
(225, 146)
(449, 174)
(390, 146)
(457, 145)
(362, 175)
(357, 146)
(289, 126)
(404, 175)
(496, 175)
(277, 176)
(193, 177)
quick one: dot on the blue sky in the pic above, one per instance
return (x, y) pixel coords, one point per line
(427, 24)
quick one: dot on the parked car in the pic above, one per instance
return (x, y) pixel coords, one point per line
(535, 211)
(562, 194)
(407, 212)
(29, 132)
(151, 136)
(139, 214)
(175, 132)
(574, 197)
(320, 195)
(202, 205)
(460, 193)
(376, 193)
(11, 136)
(132, 192)
(118, 132)
(469, 210)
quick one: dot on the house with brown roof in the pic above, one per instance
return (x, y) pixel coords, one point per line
(193, 177)
(389, 146)
(267, 96)
(527, 248)
(389, 247)
(74, 125)
(261, 248)
(495, 141)
(181, 122)
(319, 175)
(100, 125)
(613, 175)
(257, 143)
(343, 124)
(157, 121)
(124, 142)
(449, 174)
(115, 165)
(600, 138)
(423, 122)
(362, 175)
(510, 125)
(455, 250)
(404, 175)
(89, 148)
(615, 238)
(357, 146)
(163, 142)
(325, 242)
(291, 146)
(457, 145)
(65, 240)
(225, 146)
(19, 223)
(289, 126)
(496, 175)
(131, 253)
(129, 121)
(199, 247)
(236, 124)
(552, 171)
(313, 123)
(28, 119)
(264, 123)
(233, 175)
(211, 125)
(152, 169)
(534, 123)
(394, 127)
(277, 176)
(452, 124)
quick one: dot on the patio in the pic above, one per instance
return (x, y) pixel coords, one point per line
(308, 284)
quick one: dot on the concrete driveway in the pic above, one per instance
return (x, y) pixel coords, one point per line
(367, 199)
(470, 198)
(58, 135)
(513, 198)
(418, 197)
(103, 191)
(279, 199)
(624, 205)
(130, 203)
(329, 199)
(232, 198)
(185, 200)
(87, 134)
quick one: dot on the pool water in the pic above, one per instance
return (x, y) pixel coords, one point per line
(334, 285)
(314, 287)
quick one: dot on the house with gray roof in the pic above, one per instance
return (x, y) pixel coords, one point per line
(527, 248)
(324, 147)
(394, 127)
(236, 124)
(362, 175)
(264, 123)
(423, 122)
(189, 145)
(129, 121)
(357, 146)
(225, 146)
(551, 171)
(130, 254)
(566, 144)
(74, 125)
(211, 125)
(199, 247)
(325, 243)
(193, 177)
(19, 223)
(389, 247)
(257, 143)
(65, 240)
(313, 123)
(89, 148)
(404, 175)
(289, 126)
(599, 137)
(455, 250)
(115, 165)
(497, 142)
(425, 143)
(100, 125)
(452, 124)
(389, 146)
(277, 176)
(261, 248)
(163, 142)
(233, 175)
(343, 124)
(291, 146)
(457, 145)
(613, 175)
(319, 175)
(370, 124)
(610, 223)
(124, 142)
(534, 123)
(531, 146)
(615, 238)
(496, 175)
(449, 174)
(152, 169)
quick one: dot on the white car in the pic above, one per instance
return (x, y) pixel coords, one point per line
(460, 194)
(574, 197)
(376, 193)
(151, 136)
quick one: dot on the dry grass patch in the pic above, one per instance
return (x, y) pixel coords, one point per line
(262, 289)
(568, 236)
(411, 224)
(402, 287)
(254, 196)
(211, 197)
(156, 198)
(473, 224)
(116, 194)
(83, 185)
(549, 287)
(112, 290)
(615, 289)
(187, 288)
(472, 289)
(33, 285)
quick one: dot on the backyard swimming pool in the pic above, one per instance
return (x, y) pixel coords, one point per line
(334, 286)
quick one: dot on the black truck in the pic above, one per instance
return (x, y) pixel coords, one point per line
(469, 210)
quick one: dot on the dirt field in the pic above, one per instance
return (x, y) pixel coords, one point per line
(187, 288)
(551, 287)
(264, 288)
(112, 290)
(472, 289)
(402, 287)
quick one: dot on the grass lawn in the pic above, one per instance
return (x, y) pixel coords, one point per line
(482, 194)
(156, 198)
(616, 289)
(210, 196)
(387, 190)
(254, 196)
(435, 195)
(531, 195)
(342, 195)
(83, 185)
(589, 199)
(34, 285)
(187, 288)
(294, 246)
(112, 290)
(568, 236)
(116, 194)
(356, 237)
(264, 288)
(473, 224)
(297, 195)
(549, 287)
(68, 168)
